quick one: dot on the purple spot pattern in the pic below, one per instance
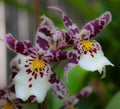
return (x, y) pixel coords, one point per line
(44, 44)
(64, 39)
(8, 96)
(23, 47)
(95, 26)
(59, 88)
(45, 31)
(55, 55)
(70, 25)
(54, 79)
(74, 57)
(10, 41)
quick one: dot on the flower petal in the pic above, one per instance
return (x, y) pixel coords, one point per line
(43, 35)
(74, 56)
(95, 26)
(23, 47)
(84, 92)
(94, 61)
(70, 25)
(59, 88)
(32, 86)
(62, 39)
(55, 55)
(14, 66)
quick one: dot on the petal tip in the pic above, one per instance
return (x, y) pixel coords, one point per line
(56, 9)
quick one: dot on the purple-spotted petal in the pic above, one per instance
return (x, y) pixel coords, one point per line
(62, 39)
(43, 35)
(84, 92)
(95, 26)
(59, 88)
(23, 47)
(55, 55)
(74, 56)
(70, 25)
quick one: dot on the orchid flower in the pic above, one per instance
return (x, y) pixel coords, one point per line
(57, 38)
(8, 99)
(35, 71)
(86, 52)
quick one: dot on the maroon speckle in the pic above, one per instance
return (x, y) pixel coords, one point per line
(94, 50)
(28, 71)
(35, 76)
(41, 74)
(85, 52)
(30, 59)
(33, 73)
(26, 65)
(92, 55)
(30, 79)
(30, 85)
(47, 69)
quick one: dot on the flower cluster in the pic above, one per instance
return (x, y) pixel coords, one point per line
(32, 73)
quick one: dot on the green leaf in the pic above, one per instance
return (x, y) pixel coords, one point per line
(84, 7)
(31, 105)
(76, 79)
(114, 102)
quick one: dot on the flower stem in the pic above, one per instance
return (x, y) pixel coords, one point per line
(36, 13)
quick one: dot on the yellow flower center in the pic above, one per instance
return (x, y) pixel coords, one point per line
(38, 64)
(52, 46)
(87, 45)
(8, 106)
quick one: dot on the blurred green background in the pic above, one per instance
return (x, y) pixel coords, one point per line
(106, 94)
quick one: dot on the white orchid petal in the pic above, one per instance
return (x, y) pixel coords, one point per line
(97, 62)
(39, 88)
